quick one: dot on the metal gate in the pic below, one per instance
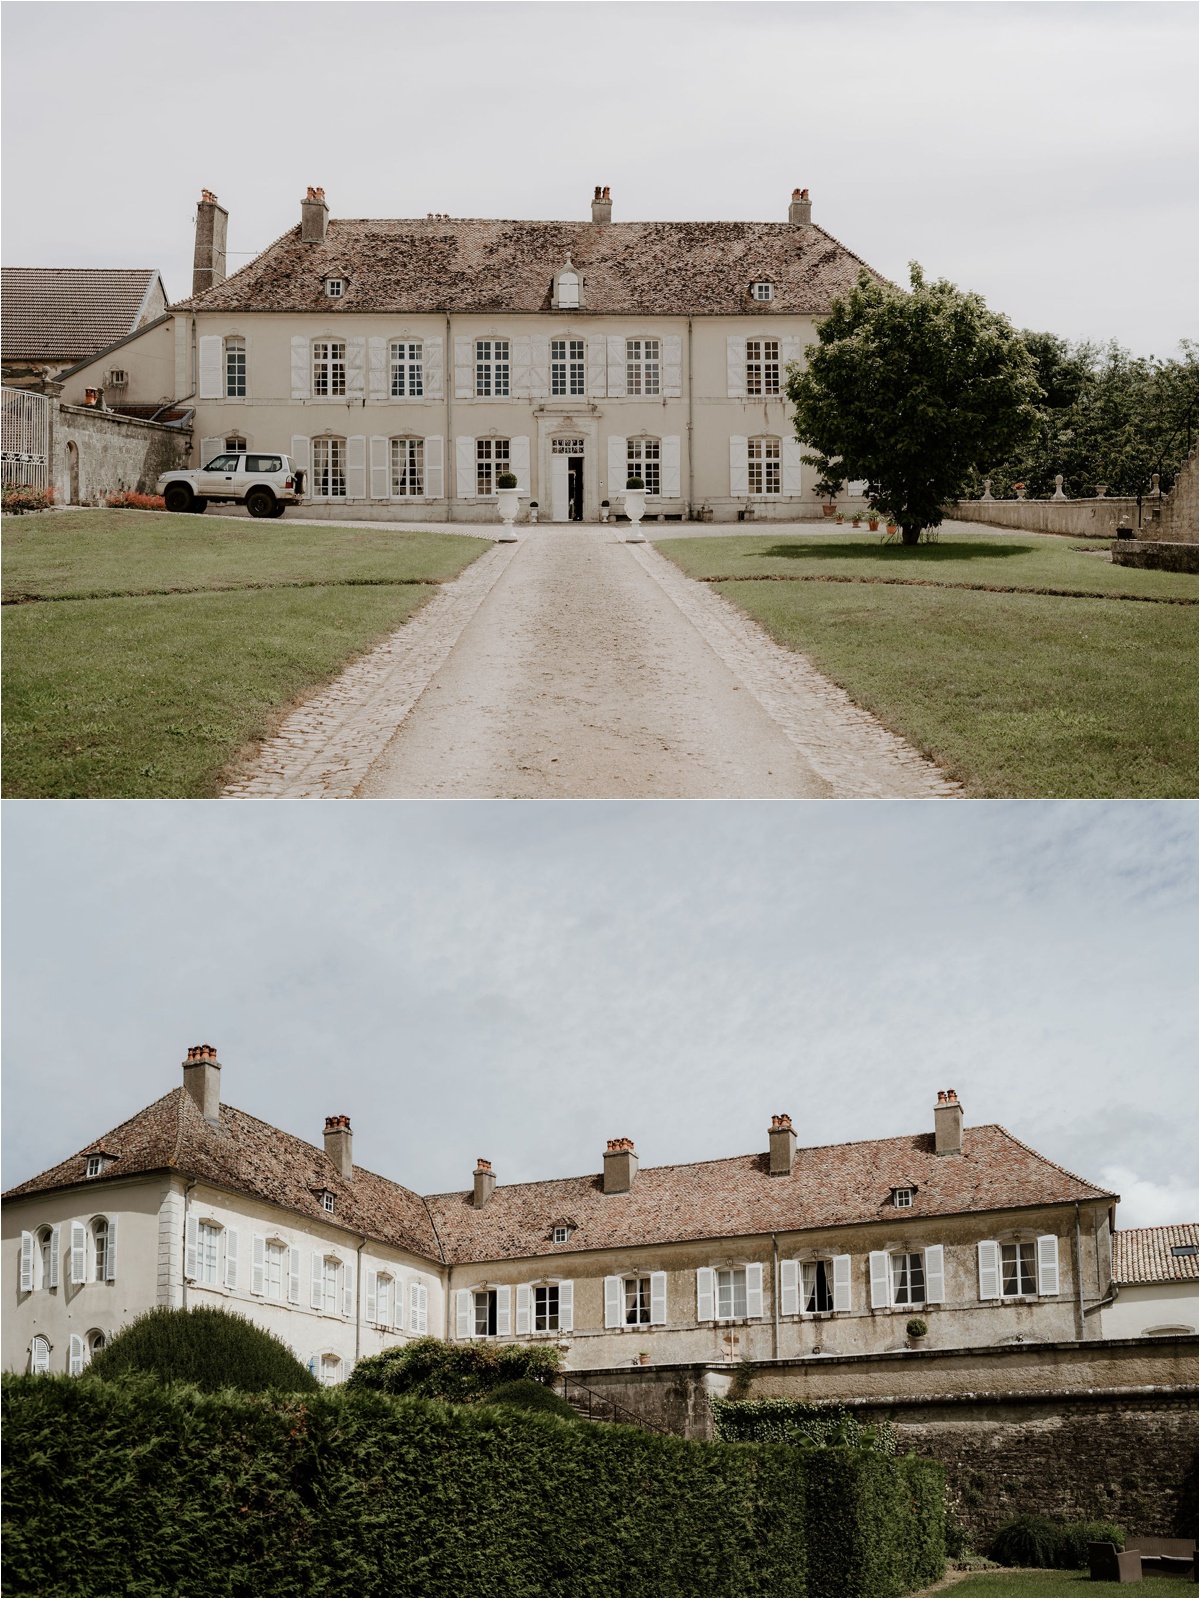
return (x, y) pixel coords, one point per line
(25, 438)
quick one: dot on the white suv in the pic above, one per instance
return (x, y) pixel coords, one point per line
(265, 483)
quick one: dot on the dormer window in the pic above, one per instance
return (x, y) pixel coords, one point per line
(562, 1234)
(902, 1198)
(335, 288)
(326, 1200)
(762, 289)
(567, 286)
(95, 1165)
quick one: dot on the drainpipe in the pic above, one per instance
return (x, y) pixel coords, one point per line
(449, 454)
(1079, 1273)
(186, 1192)
(775, 1281)
(691, 483)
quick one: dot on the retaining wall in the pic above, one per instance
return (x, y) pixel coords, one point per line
(1081, 518)
(113, 452)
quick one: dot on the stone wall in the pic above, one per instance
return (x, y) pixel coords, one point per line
(1165, 556)
(1079, 518)
(111, 452)
(1177, 519)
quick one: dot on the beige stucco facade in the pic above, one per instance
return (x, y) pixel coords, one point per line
(1147, 1308)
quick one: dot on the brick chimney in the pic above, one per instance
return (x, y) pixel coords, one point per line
(620, 1166)
(202, 1079)
(800, 209)
(485, 1183)
(314, 217)
(208, 263)
(783, 1145)
(339, 1145)
(601, 205)
(947, 1123)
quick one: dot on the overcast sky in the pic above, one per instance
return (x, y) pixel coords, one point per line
(1043, 154)
(524, 981)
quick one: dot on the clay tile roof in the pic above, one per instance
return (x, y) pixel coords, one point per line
(70, 313)
(1143, 1254)
(644, 268)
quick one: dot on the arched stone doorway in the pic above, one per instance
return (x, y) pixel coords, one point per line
(72, 473)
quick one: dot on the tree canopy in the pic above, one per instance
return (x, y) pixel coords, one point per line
(209, 1347)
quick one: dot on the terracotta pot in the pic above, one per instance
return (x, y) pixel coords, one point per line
(643, 1360)
(829, 509)
(873, 524)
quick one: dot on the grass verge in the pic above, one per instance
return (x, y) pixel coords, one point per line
(1052, 1584)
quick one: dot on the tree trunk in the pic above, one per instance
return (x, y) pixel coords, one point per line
(910, 535)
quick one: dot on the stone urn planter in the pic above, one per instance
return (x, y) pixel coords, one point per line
(507, 500)
(916, 1330)
(533, 511)
(635, 509)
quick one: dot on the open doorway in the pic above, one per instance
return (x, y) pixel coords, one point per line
(566, 480)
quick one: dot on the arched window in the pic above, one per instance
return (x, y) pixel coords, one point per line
(568, 290)
(645, 461)
(47, 1275)
(329, 1370)
(408, 467)
(406, 364)
(96, 1341)
(235, 369)
(39, 1354)
(329, 469)
(763, 463)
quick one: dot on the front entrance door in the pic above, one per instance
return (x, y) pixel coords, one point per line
(560, 493)
(566, 480)
(575, 487)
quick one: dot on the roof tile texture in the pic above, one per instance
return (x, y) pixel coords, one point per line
(69, 313)
(1143, 1254)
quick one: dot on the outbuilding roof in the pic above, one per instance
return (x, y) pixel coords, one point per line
(70, 313)
(1147, 1254)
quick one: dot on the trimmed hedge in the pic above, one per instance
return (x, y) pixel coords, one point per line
(527, 1395)
(143, 1488)
(431, 1368)
(794, 1421)
(212, 1348)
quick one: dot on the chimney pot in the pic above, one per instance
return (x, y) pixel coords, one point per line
(620, 1166)
(800, 210)
(208, 262)
(602, 204)
(947, 1123)
(782, 1145)
(202, 1080)
(314, 217)
(339, 1145)
(485, 1183)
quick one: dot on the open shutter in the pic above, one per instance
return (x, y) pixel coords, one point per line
(597, 367)
(41, 1354)
(706, 1293)
(566, 1307)
(414, 1307)
(348, 1290)
(789, 451)
(356, 467)
(423, 1323)
(110, 1254)
(881, 1280)
(379, 385)
(379, 469)
(841, 1282)
(672, 366)
(518, 462)
(617, 465)
(78, 1252)
(356, 366)
(462, 1316)
(735, 367)
(522, 361)
(616, 370)
(464, 377)
(231, 1257)
(464, 458)
(739, 474)
(524, 1297)
(789, 350)
(55, 1246)
(293, 1288)
(435, 455)
(789, 1287)
(371, 1289)
(258, 1265)
(317, 1296)
(301, 368)
(1047, 1264)
(209, 448)
(614, 1294)
(989, 1269)
(504, 1312)
(539, 367)
(658, 1298)
(75, 1362)
(191, 1245)
(212, 348)
(26, 1263)
(754, 1290)
(299, 454)
(432, 369)
(669, 463)
(935, 1274)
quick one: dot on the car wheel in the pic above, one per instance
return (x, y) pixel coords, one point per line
(280, 508)
(178, 497)
(260, 502)
(199, 505)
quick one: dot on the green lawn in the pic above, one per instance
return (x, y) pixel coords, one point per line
(1015, 694)
(1050, 1584)
(198, 634)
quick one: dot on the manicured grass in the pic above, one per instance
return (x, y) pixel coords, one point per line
(153, 696)
(1024, 694)
(1050, 1584)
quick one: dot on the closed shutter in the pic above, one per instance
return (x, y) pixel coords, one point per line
(789, 1287)
(841, 1282)
(1047, 1264)
(739, 475)
(597, 367)
(191, 1239)
(379, 380)
(789, 350)
(75, 1361)
(356, 368)
(789, 451)
(301, 368)
(524, 1296)
(347, 1290)
(397, 1304)
(754, 1290)
(435, 453)
(212, 348)
(380, 485)
(423, 1312)
(26, 1263)
(462, 1314)
(231, 1257)
(989, 1269)
(258, 1264)
(881, 1280)
(414, 1307)
(566, 1307)
(464, 376)
(55, 1235)
(539, 367)
(522, 361)
(669, 461)
(110, 1254)
(614, 1295)
(464, 458)
(78, 1252)
(935, 1274)
(293, 1288)
(518, 463)
(356, 467)
(616, 370)
(371, 1289)
(503, 1312)
(317, 1297)
(658, 1299)
(672, 366)
(41, 1354)
(432, 369)
(617, 465)
(299, 454)
(735, 367)
(706, 1293)
(209, 448)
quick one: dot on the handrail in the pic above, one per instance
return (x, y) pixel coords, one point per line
(634, 1418)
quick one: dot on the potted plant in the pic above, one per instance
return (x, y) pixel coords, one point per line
(533, 510)
(635, 509)
(604, 510)
(916, 1330)
(830, 487)
(892, 528)
(1019, 490)
(506, 504)
(873, 521)
(856, 519)
(643, 1357)
(840, 518)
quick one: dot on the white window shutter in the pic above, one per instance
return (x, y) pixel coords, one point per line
(989, 1269)
(462, 1314)
(881, 1280)
(614, 1295)
(41, 1354)
(735, 367)
(293, 1287)
(754, 1290)
(503, 1312)
(706, 1293)
(1047, 1264)
(423, 1324)
(192, 1235)
(78, 1252)
(789, 1287)
(432, 368)
(435, 454)
(318, 1285)
(618, 469)
(26, 1263)
(524, 1296)
(658, 1298)
(356, 467)
(672, 366)
(212, 351)
(518, 462)
(841, 1282)
(301, 368)
(522, 361)
(789, 451)
(539, 367)
(75, 1364)
(739, 473)
(566, 1307)
(347, 1290)
(669, 461)
(379, 377)
(380, 475)
(371, 1289)
(597, 367)
(935, 1274)
(258, 1264)
(464, 456)
(231, 1257)
(55, 1246)
(464, 369)
(414, 1307)
(110, 1256)
(356, 364)
(616, 370)
(789, 350)
(209, 448)
(299, 453)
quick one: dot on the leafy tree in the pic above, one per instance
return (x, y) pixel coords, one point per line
(210, 1348)
(910, 390)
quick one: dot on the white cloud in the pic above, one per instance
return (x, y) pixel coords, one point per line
(1145, 1203)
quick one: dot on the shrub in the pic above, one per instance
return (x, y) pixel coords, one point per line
(506, 480)
(1075, 1536)
(428, 1368)
(127, 500)
(635, 483)
(876, 1525)
(1033, 1540)
(210, 1348)
(528, 1395)
(792, 1421)
(916, 1327)
(16, 498)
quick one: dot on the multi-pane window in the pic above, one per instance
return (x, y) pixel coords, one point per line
(641, 366)
(908, 1279)
(327, 1280)
(327, 1200)
(637, 1301)
(100, 1246)
(329, 483)
(731, 1294)
(274, 1270)
(561, 1234)
(491, 461)
(816, 1286)
(383, 1299)
(406, 362)
(1018, 1268)
(643, 459)
(335, 287)
(763, 463)
(208, 1244)
(762, 366)
(763, 290)
(46, 1254)
(902, 1198)
(492, 367)
(329, 367)
(545, 1308)
(235, 369)
(95, 1165)
(485, 1312)
(566, 366)
(237, 443)
(329, 1370)
(408, 467)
